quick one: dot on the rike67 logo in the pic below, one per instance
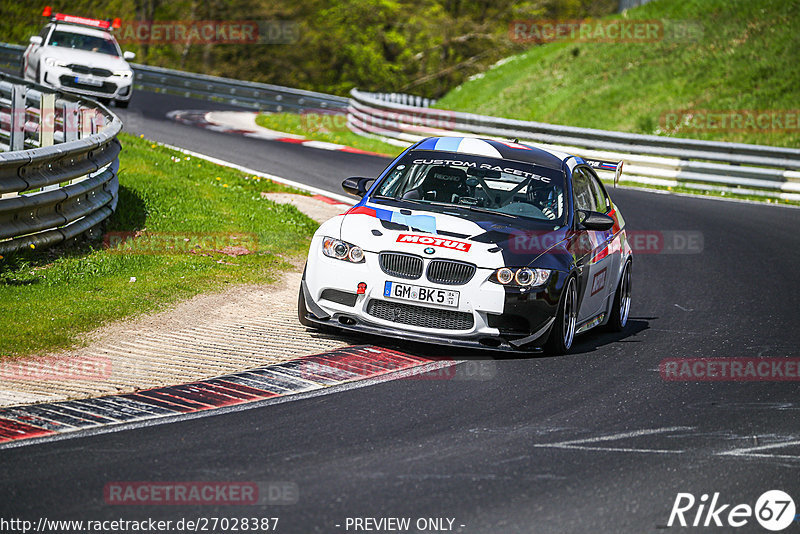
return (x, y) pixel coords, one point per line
(774, 510)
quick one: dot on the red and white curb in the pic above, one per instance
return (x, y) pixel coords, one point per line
(244, 123)
(303, 375)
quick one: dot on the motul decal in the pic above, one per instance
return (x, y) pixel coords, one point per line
(434, 242)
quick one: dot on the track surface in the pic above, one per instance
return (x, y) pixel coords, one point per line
(594, 441)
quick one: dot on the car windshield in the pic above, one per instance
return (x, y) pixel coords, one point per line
(91, 43)
(478, 183)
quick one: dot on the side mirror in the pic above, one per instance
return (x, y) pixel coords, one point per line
(356, 185)
(128, 55)
(35, 40)
(592, 220)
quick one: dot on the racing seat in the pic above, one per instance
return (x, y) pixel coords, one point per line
(442, 184)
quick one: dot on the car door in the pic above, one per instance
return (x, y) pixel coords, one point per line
(594, 261)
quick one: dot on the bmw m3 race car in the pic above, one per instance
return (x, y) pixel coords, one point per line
(477, 243)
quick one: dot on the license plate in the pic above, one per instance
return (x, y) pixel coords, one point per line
(426, 295)
(88, 81)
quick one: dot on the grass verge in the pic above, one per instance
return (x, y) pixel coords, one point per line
(183, 226)
(726, 56)
(330, 128)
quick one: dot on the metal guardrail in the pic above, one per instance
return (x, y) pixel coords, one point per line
(58, 171)
(649, 159)
(253, 95)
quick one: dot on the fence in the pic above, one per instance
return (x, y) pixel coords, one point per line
(649, 159)
(58, 168)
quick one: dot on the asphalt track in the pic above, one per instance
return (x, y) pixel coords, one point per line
(595, 441)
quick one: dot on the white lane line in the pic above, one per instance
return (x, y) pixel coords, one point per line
(311, 189)
(579, 444)
(750, 451)
(614, 449)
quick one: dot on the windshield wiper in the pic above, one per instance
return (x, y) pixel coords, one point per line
(409, 200)
(484, 210)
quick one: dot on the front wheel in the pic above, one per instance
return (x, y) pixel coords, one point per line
(122, 104)
(622, 301)
(563, 332)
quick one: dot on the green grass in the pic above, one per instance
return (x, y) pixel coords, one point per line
(743, 58)
(52, 296)
(328, 128)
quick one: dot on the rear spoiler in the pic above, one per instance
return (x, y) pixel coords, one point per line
(611, 166)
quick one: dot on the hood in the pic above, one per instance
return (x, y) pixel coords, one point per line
(83, 57)
(487, 240)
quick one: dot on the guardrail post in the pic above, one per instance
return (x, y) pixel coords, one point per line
(17, 127)
(70, 121)
(86, 122)
(47, 119)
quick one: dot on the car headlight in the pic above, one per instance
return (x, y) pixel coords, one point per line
(520, 277)
(53, 62)
(342, 250)
(123, 73)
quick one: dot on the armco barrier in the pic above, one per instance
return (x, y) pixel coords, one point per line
(253, 95)
(58, 168)
(649, 159)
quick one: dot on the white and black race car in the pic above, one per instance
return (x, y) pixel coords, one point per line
(473, 242)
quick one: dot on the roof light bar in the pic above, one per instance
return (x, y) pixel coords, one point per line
(83, 21)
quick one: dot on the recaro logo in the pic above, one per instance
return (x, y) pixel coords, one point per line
(434, 241)
(774, 510)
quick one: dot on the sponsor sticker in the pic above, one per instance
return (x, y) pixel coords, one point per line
(450, 244)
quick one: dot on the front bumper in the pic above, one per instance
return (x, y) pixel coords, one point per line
(488, 316)
(111, 87)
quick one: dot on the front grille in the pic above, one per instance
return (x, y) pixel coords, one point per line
(420, 315)
(107, 87)
(450, 272)
(83, 69)
(405, 266)
(340, 297)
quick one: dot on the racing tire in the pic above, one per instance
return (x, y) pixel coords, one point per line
(563, 332)
(122, 104)
(622, 302)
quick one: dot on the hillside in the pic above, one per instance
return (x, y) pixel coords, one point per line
(739, 57)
